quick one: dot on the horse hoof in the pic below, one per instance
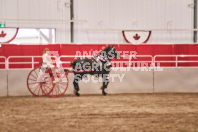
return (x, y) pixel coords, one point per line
(76, 93)
(105, 94)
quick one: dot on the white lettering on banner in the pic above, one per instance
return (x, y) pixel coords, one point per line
(131, 63)
(106, 78)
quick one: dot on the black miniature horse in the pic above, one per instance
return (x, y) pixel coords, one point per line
(84, 66)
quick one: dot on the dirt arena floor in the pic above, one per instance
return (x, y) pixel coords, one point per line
(97, 113)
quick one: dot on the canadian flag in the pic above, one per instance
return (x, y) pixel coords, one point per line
(7, 34)
(136, 37)
(2, 34)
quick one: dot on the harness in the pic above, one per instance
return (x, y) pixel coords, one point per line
(98, 58)
(102, 58)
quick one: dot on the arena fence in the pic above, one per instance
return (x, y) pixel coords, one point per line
(179, 74)
(176, 61)
(3, 62)
(22, 62)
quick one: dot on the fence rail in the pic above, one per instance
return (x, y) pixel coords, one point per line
(64, 59)
(113, 62)
(22, 57)
(3, 62)
(176, 61)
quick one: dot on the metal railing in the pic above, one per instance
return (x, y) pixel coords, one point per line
(3, 62)
(22, 57)
(128, 62)
(176, 60)
(32, 62)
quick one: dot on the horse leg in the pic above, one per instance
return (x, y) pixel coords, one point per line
(105, 84)
(76, 86)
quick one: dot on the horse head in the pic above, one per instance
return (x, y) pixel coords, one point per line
(110, 52)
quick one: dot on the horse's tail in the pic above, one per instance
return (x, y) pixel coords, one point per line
(73, 63)
(66, 70)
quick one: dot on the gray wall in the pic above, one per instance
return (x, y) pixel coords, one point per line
(168, 80)
(102, 14)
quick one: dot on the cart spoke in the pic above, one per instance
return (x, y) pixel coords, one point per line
(36, 88)
(33, 79)
(33, 76)
(33, 82)
(35, 73)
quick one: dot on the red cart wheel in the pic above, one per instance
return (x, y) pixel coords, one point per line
(39, 88)
(61, 86)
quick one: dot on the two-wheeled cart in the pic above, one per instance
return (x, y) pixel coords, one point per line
(47, 87)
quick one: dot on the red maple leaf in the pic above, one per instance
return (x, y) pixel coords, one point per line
(2, 34)
(136, 37)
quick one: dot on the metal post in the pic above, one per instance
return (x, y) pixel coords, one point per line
(176, 61)
(195, 21)
(153, 64)
(7, 82)
(32, 62)
(7, 64)
(71, 18)
(154, 80)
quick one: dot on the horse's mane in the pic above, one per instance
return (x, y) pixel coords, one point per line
(108, 48)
